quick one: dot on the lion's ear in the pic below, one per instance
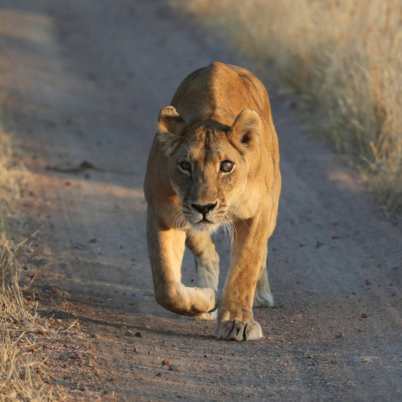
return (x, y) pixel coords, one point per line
(169, 121)
(169, 128)
(246, 128)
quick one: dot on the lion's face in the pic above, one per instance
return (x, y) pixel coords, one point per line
(208, 166)
(207, 173)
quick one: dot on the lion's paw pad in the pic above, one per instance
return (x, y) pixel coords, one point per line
(239, 330)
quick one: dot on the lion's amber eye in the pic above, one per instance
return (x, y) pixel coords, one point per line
(185, 166)
(227, 166)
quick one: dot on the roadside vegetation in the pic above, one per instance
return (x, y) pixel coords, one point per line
(44, 354)
(21, 368)
(344, 58)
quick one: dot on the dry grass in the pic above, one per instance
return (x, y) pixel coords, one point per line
(20, 371)
(344, 56)
(21, 376)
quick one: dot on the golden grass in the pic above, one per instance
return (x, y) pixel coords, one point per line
(344, 56)
(21, 376)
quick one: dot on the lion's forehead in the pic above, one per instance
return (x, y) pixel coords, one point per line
(207, 145)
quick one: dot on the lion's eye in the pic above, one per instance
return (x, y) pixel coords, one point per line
(185, 166)
(227, 166)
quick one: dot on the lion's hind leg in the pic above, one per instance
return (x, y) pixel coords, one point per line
(206, 262)
(263, 294)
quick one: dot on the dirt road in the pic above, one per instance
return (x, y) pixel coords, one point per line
(84, 81)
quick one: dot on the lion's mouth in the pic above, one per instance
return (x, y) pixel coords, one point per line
(205, 220)
(202, 221)
(205, 224)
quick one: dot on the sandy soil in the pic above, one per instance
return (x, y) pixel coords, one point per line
(84, 81)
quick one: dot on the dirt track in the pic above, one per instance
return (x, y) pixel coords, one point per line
(84, 81)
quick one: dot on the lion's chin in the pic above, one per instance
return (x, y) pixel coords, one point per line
(205, 226)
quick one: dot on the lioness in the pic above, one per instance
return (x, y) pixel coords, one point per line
(214, 161)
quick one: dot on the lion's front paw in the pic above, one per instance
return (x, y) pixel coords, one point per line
(236, 330)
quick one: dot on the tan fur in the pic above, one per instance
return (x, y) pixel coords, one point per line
(220, 112)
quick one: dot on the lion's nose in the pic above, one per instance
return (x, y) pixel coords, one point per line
(205, 208)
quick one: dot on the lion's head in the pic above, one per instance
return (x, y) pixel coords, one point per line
(209, 164)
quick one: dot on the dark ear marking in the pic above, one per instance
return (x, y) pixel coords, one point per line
(246, 138)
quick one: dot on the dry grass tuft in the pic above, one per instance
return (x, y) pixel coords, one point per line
(344, 56)
(21, 376)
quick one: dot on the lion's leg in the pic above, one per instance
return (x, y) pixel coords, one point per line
(263, 294)
(206, 262)
(166, 249)
(235, 319)
(206, 258)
